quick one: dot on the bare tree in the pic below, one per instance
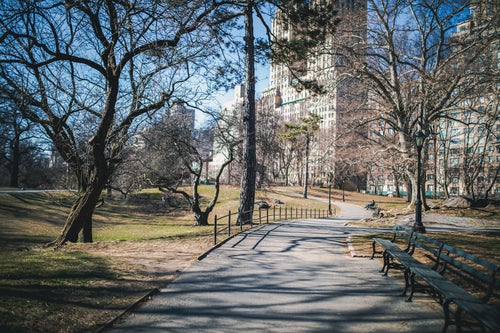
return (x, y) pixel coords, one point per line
(87, 70)
(306, 130)
(16, 134)
(181, 157)
(249, 158)
(466, 144)
(417, 69)
(268, 144)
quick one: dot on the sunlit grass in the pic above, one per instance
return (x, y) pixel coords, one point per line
(147, 231)
(481, 244)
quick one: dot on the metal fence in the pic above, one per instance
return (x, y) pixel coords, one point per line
(228, 224)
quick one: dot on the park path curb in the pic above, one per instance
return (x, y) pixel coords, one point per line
(130, 308)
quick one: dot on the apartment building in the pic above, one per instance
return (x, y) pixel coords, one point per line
(325, 68)
(463, 152)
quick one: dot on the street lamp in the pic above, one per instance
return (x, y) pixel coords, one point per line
(419, 142)
(329, 197)
(343, 192)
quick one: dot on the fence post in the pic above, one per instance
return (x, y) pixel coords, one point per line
(274, 213)
(215, 229)
(229, 223)
(241, 223)
(260, 215)
(267, 215)
(291, 212)
(286, 213)
(280, 214)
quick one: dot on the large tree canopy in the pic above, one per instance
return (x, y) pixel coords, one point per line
(417, 66)
(88, 70)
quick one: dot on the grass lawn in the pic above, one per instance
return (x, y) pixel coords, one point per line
(139, 244)
(82, 286)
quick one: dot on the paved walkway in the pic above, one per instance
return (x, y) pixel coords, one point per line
(294, 276)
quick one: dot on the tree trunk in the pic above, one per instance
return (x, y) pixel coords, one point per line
(249, 163)
(80, 217)
(201, 217)
(306, 167)
(16, 159)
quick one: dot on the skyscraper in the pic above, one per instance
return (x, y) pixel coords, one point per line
(324, 66)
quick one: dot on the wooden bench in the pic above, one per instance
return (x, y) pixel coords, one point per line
(431, 277)
(399, 234)
(401, 258)
(480, 274)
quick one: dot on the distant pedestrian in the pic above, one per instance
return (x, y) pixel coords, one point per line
(370, 205)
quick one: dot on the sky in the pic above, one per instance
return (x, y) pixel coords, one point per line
(261, 73)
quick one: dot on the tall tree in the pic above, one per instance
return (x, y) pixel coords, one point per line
(87, 70)
(16, 133)
(306, 129)
(249, 160)
(417, 67)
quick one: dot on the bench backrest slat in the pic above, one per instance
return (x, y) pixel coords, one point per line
(404, 233)
(484, 271)
(428, 244)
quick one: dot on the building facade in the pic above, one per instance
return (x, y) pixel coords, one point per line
(336, 103)
(462, 156)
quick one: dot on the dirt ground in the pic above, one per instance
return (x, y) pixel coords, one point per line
(142, 267)
(153, 264)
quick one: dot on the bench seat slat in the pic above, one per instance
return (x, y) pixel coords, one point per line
(487, 314)
(446, 288)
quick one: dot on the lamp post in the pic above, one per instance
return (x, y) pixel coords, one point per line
(419, 142)
(329, 197)
(343, 192)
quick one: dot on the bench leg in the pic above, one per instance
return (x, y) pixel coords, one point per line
(385, 260)
(412, 286)
(447, 321)
(373, 250)
(407, 281)
(389, 262)
(458, 320)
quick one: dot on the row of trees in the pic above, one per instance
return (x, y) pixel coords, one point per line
(413, 69)
(402, 67)
(90, 74)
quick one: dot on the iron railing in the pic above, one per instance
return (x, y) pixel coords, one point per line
(228, 224)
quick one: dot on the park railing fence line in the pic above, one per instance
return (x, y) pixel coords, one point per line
(226, 224)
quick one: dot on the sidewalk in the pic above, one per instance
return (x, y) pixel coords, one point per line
(294, 276)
